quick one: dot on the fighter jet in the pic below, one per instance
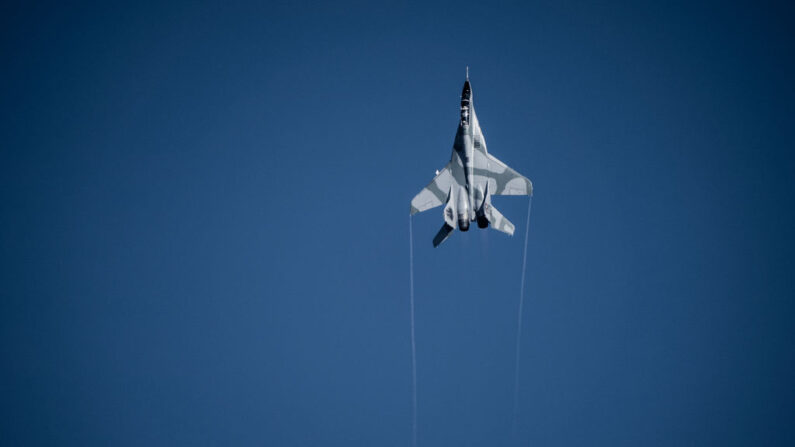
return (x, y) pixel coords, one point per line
(465, 185)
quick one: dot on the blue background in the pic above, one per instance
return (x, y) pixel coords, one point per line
(204, 228)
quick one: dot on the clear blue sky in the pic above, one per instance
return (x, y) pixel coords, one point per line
(204, 227)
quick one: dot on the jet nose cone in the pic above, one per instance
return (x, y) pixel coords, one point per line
(466, 93)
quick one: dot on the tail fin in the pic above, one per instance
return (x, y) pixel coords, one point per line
(497, 220)
(449, 220)
(442, 235)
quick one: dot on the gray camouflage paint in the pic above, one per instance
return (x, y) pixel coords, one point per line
(465, 185)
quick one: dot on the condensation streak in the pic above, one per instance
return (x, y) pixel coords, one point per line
(519, 324)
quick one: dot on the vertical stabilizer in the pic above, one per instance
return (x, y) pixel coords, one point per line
(442, 235)
(449, 220)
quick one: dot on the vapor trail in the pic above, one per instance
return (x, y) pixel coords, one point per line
(519, 321)
(413, 343)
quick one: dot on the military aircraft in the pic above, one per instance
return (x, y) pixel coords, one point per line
(465, 185)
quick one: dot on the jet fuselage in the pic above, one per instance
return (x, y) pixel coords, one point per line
(465, 185)
(471, 194)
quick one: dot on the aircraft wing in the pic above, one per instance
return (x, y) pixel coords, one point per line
(503, 181)
(435, 193)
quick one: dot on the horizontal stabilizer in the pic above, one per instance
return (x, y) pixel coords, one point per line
(497, 220)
